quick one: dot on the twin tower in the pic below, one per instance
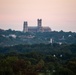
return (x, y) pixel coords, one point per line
(38, 28)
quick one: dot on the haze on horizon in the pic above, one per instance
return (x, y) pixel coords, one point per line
(57, 14)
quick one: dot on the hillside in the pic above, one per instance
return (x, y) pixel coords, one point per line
(12, 37)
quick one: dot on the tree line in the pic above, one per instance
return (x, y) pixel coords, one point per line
(38, 58)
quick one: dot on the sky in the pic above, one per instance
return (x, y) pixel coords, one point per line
(57, 14)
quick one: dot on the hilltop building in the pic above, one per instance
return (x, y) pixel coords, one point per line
(37, 28)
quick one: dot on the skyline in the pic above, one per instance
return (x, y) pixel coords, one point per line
(57, 14)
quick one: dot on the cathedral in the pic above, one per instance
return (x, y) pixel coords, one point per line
(38, 28)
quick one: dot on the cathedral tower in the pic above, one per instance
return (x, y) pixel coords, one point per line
(25, 27)
(39, 23)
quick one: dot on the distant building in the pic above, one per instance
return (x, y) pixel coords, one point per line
(12, 35)
(51, 41)
(37, 28)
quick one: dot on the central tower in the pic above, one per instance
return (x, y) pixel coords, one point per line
(39, 23)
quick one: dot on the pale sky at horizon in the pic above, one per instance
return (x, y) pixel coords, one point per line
(57, 14)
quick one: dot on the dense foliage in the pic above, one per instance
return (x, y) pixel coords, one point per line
(12, 37)
(37, 59)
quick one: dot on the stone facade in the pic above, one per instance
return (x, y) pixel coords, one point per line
(37, 28)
